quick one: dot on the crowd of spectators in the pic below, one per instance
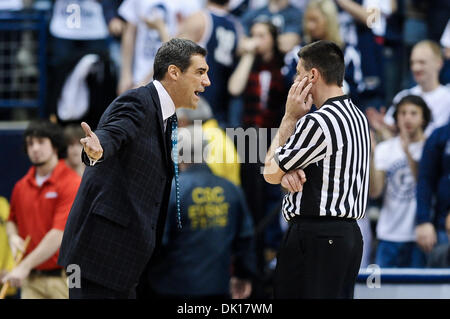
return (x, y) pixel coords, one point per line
(397, 56)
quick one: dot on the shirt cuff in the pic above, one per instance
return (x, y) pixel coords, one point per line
(277, 160)
(89, 161)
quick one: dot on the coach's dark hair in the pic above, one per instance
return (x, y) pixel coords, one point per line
(45, 128)
(327, 57)
(416, 100)
(177, 52)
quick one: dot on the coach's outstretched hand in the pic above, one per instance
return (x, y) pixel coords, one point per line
(91, 143)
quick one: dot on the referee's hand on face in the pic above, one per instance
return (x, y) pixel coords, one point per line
(293, 181)
(299, 102)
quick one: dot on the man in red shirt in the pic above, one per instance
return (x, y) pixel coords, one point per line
(40, 205)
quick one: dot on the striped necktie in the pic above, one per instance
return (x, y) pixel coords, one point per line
(173, 121)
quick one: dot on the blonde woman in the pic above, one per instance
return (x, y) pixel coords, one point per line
(321, 22)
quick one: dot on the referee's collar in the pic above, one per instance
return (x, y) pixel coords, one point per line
(335, 98)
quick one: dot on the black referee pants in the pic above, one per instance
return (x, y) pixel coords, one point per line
(318, 258)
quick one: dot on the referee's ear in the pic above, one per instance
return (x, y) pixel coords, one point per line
(314, 76)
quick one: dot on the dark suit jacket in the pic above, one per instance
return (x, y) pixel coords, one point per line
(118, 215)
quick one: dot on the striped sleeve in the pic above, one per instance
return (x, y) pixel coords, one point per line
(306, 146)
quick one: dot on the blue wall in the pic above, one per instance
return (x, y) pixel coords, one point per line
(14, 162)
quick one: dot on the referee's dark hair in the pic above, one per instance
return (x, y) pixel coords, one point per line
(45, 128)
(416, 100)
(327, 57)
(177, 52)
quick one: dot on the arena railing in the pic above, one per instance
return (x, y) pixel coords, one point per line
(23, 46)
(403, 283)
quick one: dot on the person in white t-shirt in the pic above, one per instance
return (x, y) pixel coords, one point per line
(185, 8)
(393, 174)
(77, 28)
(149, 24)
(426, 63)
(78, 20)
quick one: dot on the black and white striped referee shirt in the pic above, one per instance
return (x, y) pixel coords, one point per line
(332, 146)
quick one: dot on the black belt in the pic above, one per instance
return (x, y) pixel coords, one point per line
(47, 273)
(299, 218)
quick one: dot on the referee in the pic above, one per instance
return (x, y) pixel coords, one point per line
(322, 158)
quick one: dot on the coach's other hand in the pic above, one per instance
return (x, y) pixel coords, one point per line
(293, 181)
(91, 143)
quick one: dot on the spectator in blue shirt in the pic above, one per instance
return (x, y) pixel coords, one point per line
(286, 17)
(434, 179)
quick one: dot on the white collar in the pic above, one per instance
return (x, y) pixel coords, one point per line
(167, 105)
(40, 180)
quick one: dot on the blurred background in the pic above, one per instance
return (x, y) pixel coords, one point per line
(67, 60)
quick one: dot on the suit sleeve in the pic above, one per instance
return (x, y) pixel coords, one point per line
(120, 123)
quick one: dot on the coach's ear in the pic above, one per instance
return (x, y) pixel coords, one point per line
(173, 72)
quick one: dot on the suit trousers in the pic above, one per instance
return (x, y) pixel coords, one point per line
(92, 290)
(318, 258)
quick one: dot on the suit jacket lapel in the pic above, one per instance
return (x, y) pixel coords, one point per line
(157, 105)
